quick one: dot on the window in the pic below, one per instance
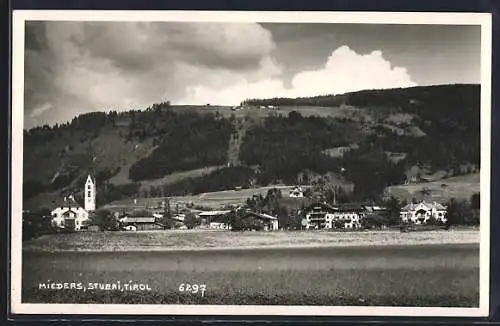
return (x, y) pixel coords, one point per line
(89, 187)
(89, 193)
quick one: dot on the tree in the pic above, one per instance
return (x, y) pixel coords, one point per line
(475, 201)
(36, 224)
(393, 211)
(191, 220)
(458, 212)
(105, 220)
(288, 220)
(371, 221)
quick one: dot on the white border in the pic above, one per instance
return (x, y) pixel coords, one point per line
(19, 18)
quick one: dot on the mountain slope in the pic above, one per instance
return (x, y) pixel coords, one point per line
(180, 150)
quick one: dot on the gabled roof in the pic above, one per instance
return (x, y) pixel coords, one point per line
(213, 213)
(140, 213)
(128, 219)
(423, 205)
(261, 216)
(69, 202)
(66, 213)
(349, 207)
(324, 206)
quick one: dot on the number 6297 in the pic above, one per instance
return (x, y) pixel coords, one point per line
(193, 288)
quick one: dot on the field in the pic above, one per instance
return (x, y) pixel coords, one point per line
(213, 200)
(462, 187)
(257, 112)
(393, 275)
(197, 240)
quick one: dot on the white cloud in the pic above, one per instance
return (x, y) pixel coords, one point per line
(85, 67)
(82, 67)
(344, 71)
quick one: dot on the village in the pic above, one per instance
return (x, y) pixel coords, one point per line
(68, 215)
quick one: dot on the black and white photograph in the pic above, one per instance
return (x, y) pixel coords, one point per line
(251, 163)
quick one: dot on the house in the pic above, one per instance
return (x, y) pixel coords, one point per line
(68, 214)
(324, 216)
(420, 212)
(296, 192)
(215, 219)
(142, 220)
(269, 222)
(348, 216)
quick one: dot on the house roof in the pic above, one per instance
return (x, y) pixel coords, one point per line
(68, 201)
(261, 216)
(66, 213)
(423, 205)
(128, 219)
(349, 207)
(321, 205)
(338, 207)
(140, 213)
(213, 213)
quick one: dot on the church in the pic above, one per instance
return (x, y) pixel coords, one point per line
(68, 214)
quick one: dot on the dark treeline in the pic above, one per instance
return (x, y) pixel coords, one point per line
(89, 123)
(417, 100)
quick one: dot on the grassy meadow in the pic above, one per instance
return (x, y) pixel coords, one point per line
(420, 275)
(203, 239)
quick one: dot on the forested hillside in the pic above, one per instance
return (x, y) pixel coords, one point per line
(356, 138)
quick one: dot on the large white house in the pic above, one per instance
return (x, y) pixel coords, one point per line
(68, 214)
(419, 213)
(325, 216)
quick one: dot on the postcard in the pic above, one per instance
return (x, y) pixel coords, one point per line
(250, 163)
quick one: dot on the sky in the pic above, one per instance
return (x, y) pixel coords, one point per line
(79, 67)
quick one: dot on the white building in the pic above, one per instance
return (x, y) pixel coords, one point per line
(215, 219)
(68, 214)
(419, 213)
(296, 192)
(324, 216)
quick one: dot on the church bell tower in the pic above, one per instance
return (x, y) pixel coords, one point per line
(90, 194)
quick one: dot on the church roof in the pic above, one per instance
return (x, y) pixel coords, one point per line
(92, 178)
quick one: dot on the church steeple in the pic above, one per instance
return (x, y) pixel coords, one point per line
(90, 194)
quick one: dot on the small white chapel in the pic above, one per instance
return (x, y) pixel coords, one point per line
(68, 214)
